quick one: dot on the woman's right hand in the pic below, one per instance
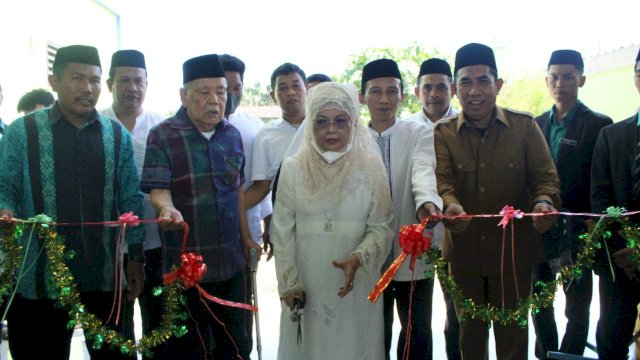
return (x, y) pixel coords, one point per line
(291, 298)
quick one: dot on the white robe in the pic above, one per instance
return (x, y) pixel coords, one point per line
(350, 328)
(413, 182)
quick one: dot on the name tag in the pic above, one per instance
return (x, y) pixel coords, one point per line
(570, 142)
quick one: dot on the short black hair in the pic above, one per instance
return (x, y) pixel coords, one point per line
(232, 63)
(320, 78)
(34, 97)
(286, 69)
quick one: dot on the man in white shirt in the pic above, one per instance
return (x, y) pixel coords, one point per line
(408, 154)
(128, 84)
(289, 91)
(248, 126)
(434, 90)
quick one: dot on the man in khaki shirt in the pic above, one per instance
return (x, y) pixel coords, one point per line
(489, 157)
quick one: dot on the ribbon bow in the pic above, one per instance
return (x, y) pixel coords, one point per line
(509, 213)
(40, 219)
(129, 219)
(414, 243)
(615, 211)
(191, 271)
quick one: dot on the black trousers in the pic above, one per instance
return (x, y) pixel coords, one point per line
(206, 337)
(421, 345)
(451, 329)
(618, 312)
(151, 307)
(39, 329)
(578, 300)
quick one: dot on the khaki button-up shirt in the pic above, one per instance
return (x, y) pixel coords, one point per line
(507, 164)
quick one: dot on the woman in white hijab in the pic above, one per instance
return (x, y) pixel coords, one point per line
(332, 233)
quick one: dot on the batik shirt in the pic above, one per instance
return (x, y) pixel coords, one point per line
(72, 175)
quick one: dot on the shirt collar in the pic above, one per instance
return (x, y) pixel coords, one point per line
(284, 122)
(567, 119)
(638, 117)
(447, 114)
(387, 131)
(499, 116)
(55, 115)
(183, 122)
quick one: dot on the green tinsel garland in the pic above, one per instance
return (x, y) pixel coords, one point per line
(67, 294)
(543, 293)
(12, 257)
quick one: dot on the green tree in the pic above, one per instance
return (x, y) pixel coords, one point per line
(528, 93)
(256, 95)
(409, 60)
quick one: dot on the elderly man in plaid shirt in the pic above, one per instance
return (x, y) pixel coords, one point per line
(194, 170)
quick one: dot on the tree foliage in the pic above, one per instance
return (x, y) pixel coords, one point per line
(256, 95)
(528, 93)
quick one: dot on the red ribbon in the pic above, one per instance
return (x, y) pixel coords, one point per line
(508, 214)
(125, 219)
(191, 271)
(413, 243)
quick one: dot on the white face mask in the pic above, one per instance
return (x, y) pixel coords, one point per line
(331, 156)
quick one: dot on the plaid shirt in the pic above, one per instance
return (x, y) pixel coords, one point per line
(204, 177)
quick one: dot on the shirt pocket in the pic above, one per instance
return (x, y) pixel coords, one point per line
(509, 170)
(464, 174)
(464, 167)
(508, 161)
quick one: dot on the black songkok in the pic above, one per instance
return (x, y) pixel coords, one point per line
(379, 69)
(81, 54)
(566, 57)
(129, 58)
(475, 54)
(205, 66)
(435, 66)
(638, 57)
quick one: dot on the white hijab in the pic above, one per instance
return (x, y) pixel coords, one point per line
(331, 176)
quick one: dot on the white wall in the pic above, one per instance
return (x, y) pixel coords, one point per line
(26, 26)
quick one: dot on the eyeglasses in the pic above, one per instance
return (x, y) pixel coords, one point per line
(323, 124)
